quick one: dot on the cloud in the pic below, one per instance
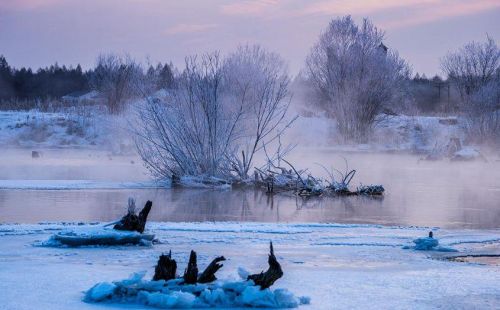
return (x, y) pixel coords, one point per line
(189, 28)
(416, 11)
(341, 7)
(26, 4)
(441, 11)
(248, 7)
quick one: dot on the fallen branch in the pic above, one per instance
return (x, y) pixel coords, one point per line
(208, 275)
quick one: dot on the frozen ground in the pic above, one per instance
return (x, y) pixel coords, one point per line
(75, 127)
(91, 128)
(77, 184)
(391, 133)
(338, 266)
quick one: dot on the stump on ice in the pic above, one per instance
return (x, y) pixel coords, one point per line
(273, 273)
(191, 273)
(132, 221)
(208, 275)
(166, 268)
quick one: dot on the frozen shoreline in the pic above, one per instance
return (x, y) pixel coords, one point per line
(76, 184)
(338, 265)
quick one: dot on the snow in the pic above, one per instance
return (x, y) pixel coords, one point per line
(74, 127)
(428, 244)
(171, 294)
(77, 184)
(391, 133)
(467, 153)
(341, 266)
(95, 129)
(97, 235)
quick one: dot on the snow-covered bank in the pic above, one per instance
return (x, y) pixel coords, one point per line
(400, 133)
(338, 266)
(76, 127)
(94, 129)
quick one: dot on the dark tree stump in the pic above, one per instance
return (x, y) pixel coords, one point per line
(166, 268)
(208, 274)
(133, 222)
(266, 279)
(191, 273)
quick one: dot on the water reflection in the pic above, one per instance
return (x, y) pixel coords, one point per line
(426, 194)
(236, 205)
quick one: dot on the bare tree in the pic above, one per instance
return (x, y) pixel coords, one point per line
(258, 86)
(219, 109)
(113, 78)
(474, 70)
(473, 66)
(355, 76)
(190, 132)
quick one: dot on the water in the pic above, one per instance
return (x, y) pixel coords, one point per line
(452, 195)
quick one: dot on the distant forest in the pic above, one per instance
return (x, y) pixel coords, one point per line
(56, 81)
(46, 83)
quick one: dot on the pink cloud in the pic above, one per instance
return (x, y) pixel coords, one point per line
(189, 28)
(248, 7)
(441, 11)
(339, 7)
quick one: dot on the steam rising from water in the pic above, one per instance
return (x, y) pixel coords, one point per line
(447, 194)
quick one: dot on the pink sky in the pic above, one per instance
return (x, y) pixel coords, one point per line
(40, 32)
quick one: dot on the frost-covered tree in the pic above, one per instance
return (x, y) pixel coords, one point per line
(258, 86)
(355, 76)
(189, 132)
(474, 70)
(473, 66)
(220, 113)
(113, 77)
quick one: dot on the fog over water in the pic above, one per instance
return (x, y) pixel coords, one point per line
(441, 193)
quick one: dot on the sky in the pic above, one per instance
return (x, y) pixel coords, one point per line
(38, 33)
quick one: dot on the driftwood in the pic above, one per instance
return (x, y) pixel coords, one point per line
(208, 275)
(191, 273)
(133, 222)
(273, 273)
(166, 268)
(303, 184)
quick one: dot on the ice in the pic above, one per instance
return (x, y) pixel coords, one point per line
(428, 244)
(101, 291)
(171, 294)
(166, 301)
(467, 153)
(77, 184)
(91, 236)
(341, 266)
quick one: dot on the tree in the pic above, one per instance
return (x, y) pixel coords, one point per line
(190, 132)
(219, 108)
(474, 70)
(113, 78)
(258, 82)
(354, 75)
(472, 67)
(5, 79)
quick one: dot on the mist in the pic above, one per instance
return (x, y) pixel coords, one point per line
(281, 154)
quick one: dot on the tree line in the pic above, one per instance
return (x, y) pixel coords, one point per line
(54, 82)
(349, 75)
